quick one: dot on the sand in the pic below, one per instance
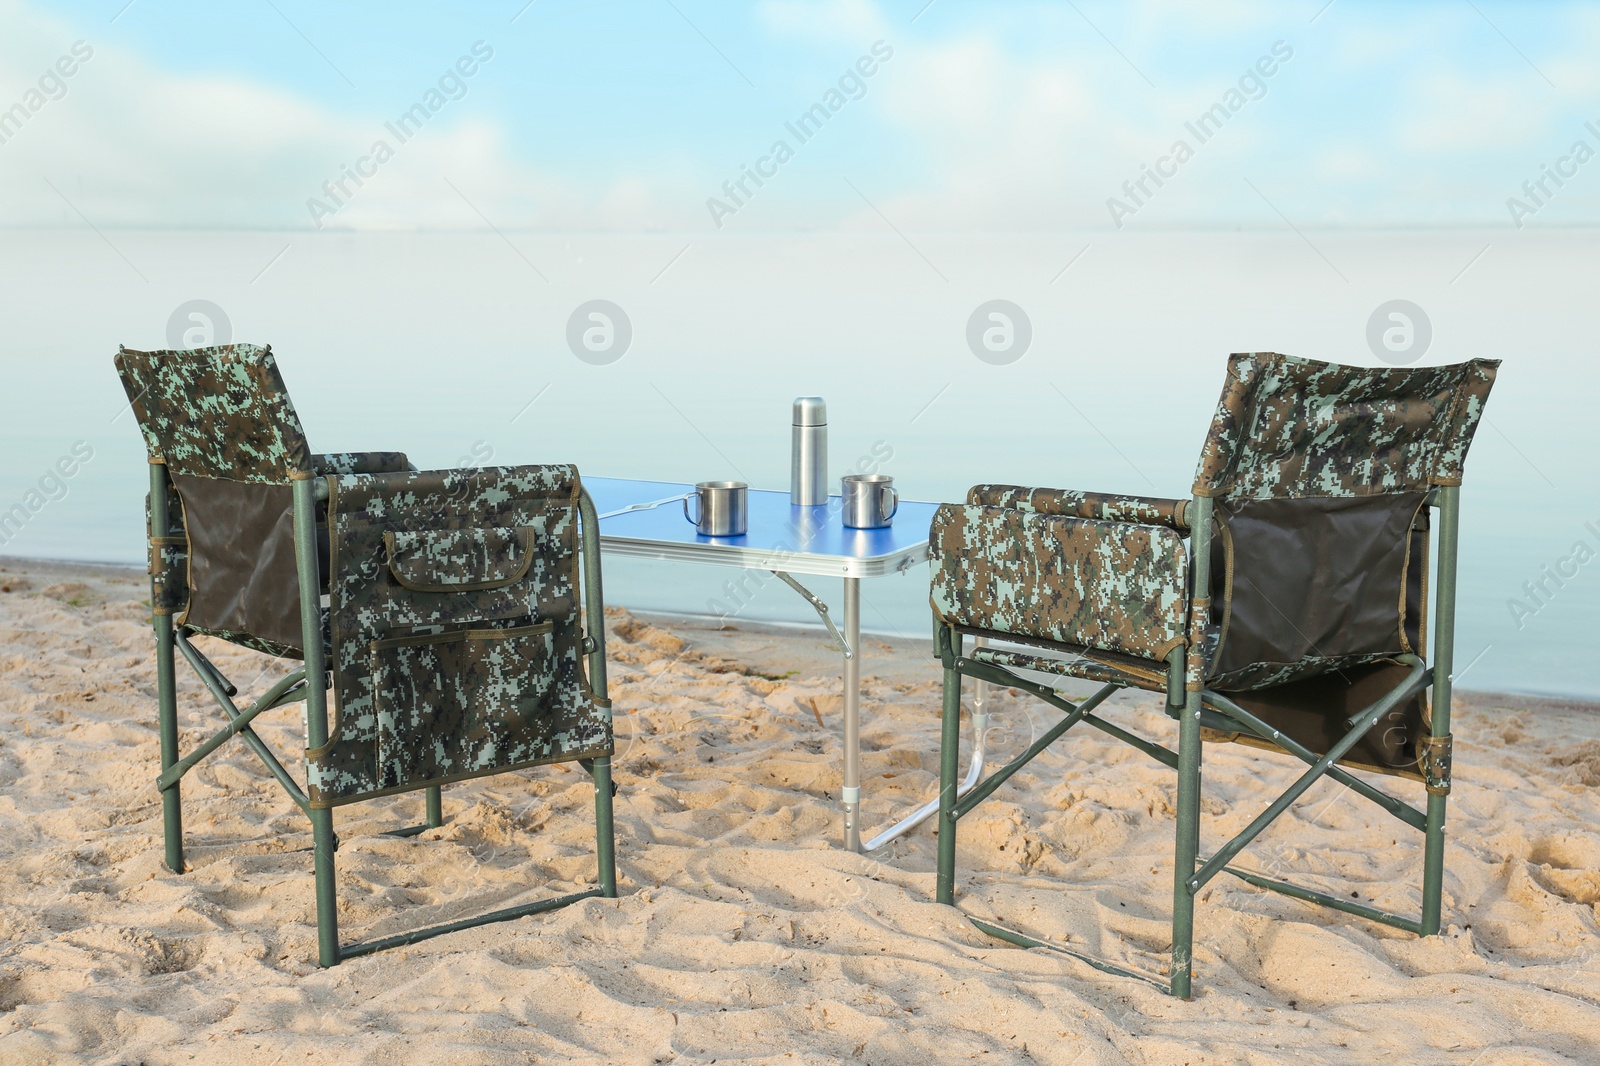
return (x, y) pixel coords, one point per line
(743, 932)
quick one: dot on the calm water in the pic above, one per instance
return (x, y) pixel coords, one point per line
(453, 348)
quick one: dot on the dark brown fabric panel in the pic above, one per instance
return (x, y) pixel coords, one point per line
(1316, 578)
(1313, 711)
(242, 573)
(1417, 584)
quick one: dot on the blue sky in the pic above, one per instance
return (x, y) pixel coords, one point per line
(627, 116)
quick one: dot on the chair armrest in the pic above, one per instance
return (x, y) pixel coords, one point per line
(1112, 586)
(360, 463)
(1101, 506)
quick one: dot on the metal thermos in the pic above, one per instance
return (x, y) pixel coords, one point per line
(808, 464)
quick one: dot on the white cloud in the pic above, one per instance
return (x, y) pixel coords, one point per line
(1449, 110)
(854, 22)
(1016, 118)
(133, 145)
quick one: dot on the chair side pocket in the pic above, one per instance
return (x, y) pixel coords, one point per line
(463, 702)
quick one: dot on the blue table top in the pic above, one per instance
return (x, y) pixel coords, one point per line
(800, 540)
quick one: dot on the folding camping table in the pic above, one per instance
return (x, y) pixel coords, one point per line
(645, 519)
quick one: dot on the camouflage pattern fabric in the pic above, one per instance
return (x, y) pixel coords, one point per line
(1113, 586)
(1090, 666)
(1197, 656)
(169, 559)
(482, 676)
(458, 704)
(219, 412)
(1269, 675)
(360, 463)
(1287, 427)
(1202, 621)
(1101, 506)
(458, 560)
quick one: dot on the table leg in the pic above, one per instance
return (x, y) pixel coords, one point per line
(852, 715)
(980, 712)
(980, 729)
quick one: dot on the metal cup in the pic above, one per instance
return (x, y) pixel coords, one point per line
(870, 500)
(724, 508)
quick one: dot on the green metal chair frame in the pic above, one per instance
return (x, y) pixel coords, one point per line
(1128, 597)
(220, 417)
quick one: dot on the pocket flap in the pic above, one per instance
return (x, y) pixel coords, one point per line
(458, 560)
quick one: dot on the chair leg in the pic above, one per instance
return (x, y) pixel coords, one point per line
(167, 710)
(1433, 867)
(949, 745)
(434, 797)
(1439, 716)
(323, 844)
(605, 827)
(1188, 846)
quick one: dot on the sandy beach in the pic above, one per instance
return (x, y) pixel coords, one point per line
(743, 932)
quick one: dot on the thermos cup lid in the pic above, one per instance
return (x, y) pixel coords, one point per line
(810, 411)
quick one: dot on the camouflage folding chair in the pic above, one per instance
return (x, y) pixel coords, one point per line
(1284, 606)
(441, 607)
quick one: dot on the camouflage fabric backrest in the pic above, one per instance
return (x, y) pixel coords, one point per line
(457, 634)
(1319, 575)
(1288, 427)
(219, 412)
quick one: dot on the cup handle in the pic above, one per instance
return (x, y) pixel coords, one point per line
(692, 496)
(896, 506)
